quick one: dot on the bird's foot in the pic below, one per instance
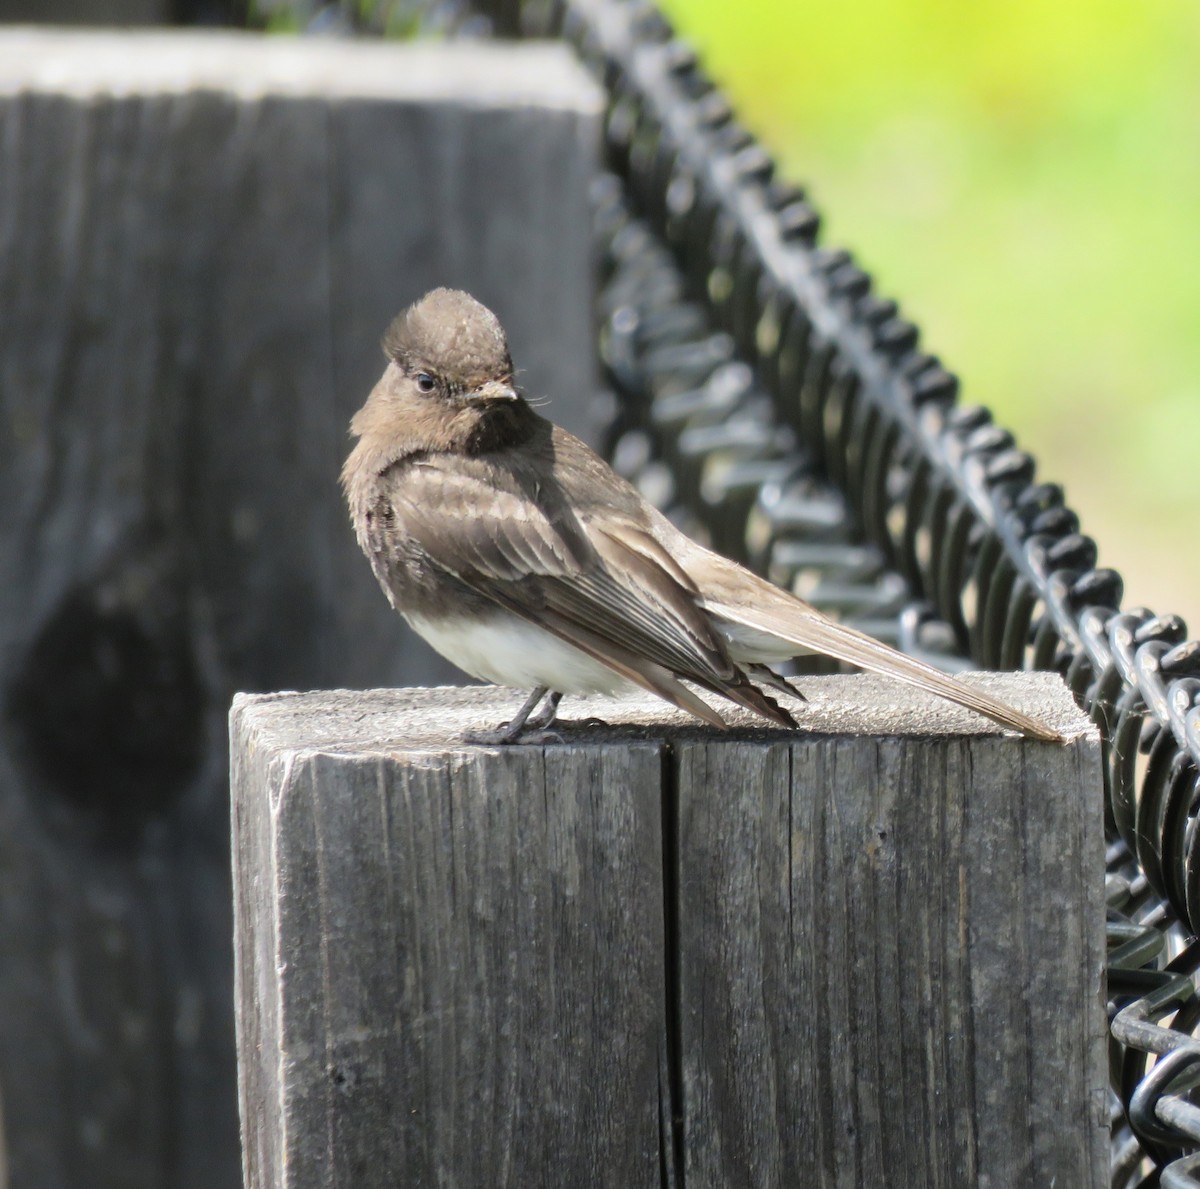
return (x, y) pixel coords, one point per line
(523, 728)
(539, 735)
(505, 736)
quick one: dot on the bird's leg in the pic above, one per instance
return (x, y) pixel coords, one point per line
(517, 725)
(521, 729)
(543, 719)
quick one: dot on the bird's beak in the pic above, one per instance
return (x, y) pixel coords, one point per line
(494, 390)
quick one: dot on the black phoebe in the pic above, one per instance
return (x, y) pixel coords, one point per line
(521, 556)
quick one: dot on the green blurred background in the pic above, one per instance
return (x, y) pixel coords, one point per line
(1025, 178)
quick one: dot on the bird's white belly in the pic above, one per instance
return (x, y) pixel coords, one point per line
(509, 651)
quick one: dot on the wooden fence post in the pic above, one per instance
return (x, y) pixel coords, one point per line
(867, 952)
(202, 238)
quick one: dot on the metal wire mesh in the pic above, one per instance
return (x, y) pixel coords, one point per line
(772, 402)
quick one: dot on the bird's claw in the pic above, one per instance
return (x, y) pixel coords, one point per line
(504, 736)
(540, 735)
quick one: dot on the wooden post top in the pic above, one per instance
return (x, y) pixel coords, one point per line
(867, 951)
(154, 62)
(368, 721)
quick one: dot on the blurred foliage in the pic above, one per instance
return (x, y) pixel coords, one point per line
(388, 18)
(1025, 178)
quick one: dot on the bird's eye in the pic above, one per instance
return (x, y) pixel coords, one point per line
(425, 382)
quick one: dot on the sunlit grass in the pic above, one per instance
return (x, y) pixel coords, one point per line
(1025, 178)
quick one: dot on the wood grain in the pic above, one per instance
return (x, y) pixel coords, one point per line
(891, 960)
(881, 960)
(453, 974)
(202, 237)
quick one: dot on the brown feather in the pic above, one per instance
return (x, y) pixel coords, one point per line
(808, 631)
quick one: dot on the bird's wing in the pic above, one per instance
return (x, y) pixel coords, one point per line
(609, 589)
(751, 606)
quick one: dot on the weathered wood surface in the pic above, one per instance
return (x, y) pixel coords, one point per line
(472, 985)
(202, 238)
(883, 964)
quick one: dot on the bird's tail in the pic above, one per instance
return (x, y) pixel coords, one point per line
(784, 619)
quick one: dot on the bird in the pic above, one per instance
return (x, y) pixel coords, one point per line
(522, 557)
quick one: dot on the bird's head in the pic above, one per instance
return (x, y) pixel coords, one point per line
(448, 347)
(448, 384)
(451, 347)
